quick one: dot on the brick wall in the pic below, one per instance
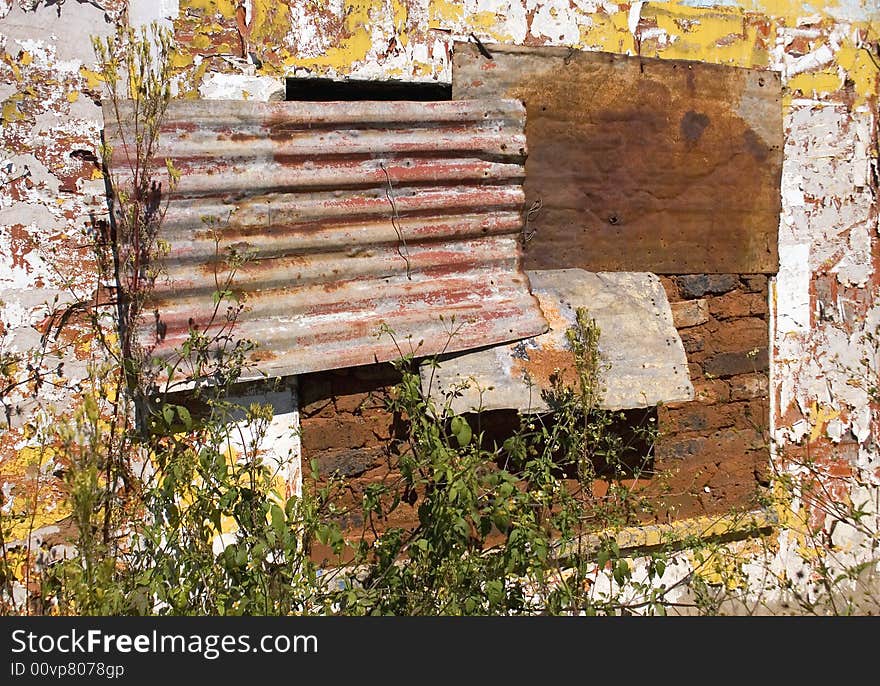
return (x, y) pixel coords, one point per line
(713, 453)
(716, 448)
(348, 432)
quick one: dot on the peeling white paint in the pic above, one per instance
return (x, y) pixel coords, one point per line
(145, 12)
(854, 267)
(556, 21)
(835, 430)
(219, 86)
(633, 17)
(793, 289)
(828, 228)
(73, 29)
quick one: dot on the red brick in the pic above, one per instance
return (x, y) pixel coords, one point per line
(755, 283)
(703, 418)
(678, 448)
(758, 305)
(670, 287)
(748, 386)
(349, 462)
(733, 304)
(724, 447)
(738, 305)
(739, 335)
(359, 402)
(687, 313)
(343, 432)
(318, 408)
(731, 364)
(698, 285)
(711, 391)
(692, 342)
(315, 391)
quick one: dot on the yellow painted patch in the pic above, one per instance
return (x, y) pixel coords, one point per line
(270, 23)
(486, 21)
(181, 60)
(815, 83)
(11, 113)
(200, 41)
(719, 567)
(609, 33)
(423, 69)
(820, 415)
(36, 500)
(860, 70)
(450, 15)
(225, 8)
(721, 36)
(26, 58)
(93, 78)
(73, 96)
(442, 13)
(352, 48)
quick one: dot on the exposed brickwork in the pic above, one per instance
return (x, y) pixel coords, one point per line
(715, 449)
(348, 431)
(713, 452)
(344, 418)
(687, 313)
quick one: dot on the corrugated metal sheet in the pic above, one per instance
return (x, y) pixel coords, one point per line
(356, 214)
(638, 342)
(641, 164)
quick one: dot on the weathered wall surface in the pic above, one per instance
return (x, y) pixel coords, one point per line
(822, 304)
(714, 453)
(50, 183)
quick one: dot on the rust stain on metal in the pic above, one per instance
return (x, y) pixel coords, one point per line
(643, 164)
(351, 216)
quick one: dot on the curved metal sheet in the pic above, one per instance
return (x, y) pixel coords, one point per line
(354, 217)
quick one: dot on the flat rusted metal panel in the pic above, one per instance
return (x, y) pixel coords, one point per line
(355, 215)
(642, 355)
(641, 164)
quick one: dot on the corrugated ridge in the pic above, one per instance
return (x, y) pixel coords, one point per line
(351, 216)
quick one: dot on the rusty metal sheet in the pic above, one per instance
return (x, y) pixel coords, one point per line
(641, 164)
(355, 215)
(642, 354)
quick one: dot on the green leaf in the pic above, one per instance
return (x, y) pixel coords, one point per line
(168, 414)
(660, 567)
(621, 572)
(185, 417)
(217, 296)
(495, 591)
(461, 430)
(91, 408)
(278, 522)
